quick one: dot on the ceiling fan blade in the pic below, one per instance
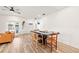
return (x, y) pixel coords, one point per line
(12, 9)
(6, 7)
(17, 12)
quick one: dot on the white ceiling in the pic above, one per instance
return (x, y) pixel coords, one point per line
(31, 11)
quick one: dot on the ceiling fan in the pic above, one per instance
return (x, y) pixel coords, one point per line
(13, 9)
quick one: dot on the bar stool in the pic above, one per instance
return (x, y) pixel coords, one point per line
(35, 38)
(52, 41)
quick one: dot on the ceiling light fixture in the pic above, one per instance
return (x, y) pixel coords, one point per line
(43, 14)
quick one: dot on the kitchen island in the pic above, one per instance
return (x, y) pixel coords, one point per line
(47, 38)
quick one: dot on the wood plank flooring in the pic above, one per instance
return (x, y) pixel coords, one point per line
(64, 48)
(23, 44)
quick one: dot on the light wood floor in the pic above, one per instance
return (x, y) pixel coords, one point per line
(24, 44)
(64, 48)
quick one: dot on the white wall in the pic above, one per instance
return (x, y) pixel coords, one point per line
(3, 23)
(27, 27)
(4, 20)
(66, 22)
